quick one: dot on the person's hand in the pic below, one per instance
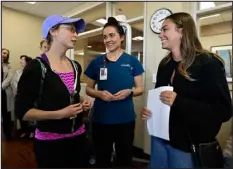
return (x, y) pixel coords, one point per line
(106, 96)
(145, 113)
(168, 97)
(86, 104)
(71, 111)
(121, 95)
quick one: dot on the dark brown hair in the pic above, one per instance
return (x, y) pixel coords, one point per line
(114, 23)
(8, 55)
(49, 37)
(27, 58)
(190, 44)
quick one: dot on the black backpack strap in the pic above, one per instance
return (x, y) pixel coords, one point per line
(76, 72)
(75, 65)
(38, 99)
(43, 72)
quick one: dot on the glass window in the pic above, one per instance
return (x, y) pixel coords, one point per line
(90, 45)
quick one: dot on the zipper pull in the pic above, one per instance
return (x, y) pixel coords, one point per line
(193, 147)
(73, 123)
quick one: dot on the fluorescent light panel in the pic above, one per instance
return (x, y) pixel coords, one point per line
(210, 16)
(206, 5)
(102, 21)
(31, 2)
(138, 38)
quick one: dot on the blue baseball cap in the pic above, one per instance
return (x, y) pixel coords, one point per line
(53, 20)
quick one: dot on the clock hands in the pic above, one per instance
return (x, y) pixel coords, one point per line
(161, 20)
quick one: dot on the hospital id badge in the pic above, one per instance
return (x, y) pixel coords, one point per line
(103, 73)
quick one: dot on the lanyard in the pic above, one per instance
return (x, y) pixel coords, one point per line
(105, 62)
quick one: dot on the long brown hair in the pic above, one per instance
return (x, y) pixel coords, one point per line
(190, 44)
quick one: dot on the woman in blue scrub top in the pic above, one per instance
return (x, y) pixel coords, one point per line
(119, 78)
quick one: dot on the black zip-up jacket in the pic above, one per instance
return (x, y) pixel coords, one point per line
(55, 96)
(200, 106)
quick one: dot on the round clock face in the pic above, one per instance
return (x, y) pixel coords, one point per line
(157, 19)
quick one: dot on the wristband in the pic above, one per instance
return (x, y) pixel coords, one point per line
(131, 92)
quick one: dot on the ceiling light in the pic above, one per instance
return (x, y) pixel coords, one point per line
(81, 53)
(31, 2)
(205, 5)
(138, 38)
(102, 53)
(89, 46)
(102, 21)
(210, 16)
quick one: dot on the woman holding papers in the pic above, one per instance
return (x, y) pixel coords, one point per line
(200, 101)
(115, 73)
(52, 99)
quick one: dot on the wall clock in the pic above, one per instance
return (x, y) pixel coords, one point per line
(157, 19)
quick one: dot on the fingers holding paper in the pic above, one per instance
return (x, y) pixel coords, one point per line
(168, 97)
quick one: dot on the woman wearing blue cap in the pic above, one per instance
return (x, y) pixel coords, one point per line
(53, 100)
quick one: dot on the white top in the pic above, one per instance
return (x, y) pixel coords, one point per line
(15, 80)
(228, 148)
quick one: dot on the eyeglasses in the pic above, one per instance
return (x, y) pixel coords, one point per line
(69, 27)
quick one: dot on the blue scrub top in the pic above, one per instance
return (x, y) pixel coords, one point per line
(120, 76)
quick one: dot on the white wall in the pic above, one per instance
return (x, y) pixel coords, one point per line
(216, 40)
(21, 34)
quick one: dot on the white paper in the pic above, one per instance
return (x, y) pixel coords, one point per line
(158, 123)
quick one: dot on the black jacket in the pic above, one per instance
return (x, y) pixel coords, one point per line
(55, 96)
(200, 106)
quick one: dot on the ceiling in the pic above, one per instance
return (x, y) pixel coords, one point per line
(42, 9)
(219, 17)
(129, 9)
(209, 4)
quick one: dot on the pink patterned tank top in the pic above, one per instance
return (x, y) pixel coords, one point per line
(68, 79)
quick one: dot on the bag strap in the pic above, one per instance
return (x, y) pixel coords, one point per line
(76, 73)
(43, 72)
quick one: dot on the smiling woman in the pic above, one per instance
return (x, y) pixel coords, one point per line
(115, 73)
(200, 102)
(58, 110)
